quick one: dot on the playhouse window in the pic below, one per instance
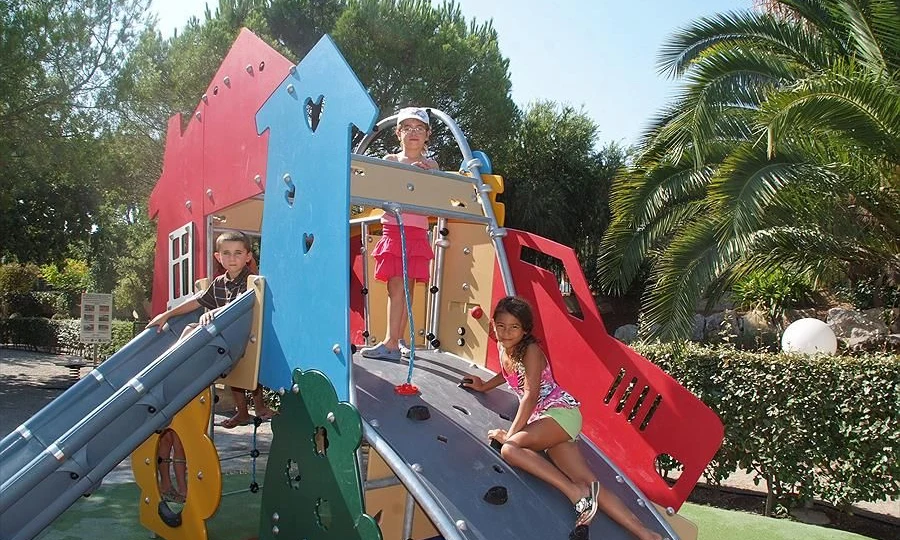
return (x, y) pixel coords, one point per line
(181, 264)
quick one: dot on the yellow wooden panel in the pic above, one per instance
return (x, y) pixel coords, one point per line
(244, 216)
(496, 183)
(388, 181)
(245, 373)
(684, 528)
(391, 502)
(468, 279)
(204, 477)
(378, 302)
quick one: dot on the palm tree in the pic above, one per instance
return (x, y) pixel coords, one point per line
(782, 150)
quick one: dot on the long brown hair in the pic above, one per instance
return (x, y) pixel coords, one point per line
(519, 308)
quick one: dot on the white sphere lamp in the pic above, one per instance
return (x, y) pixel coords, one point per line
(809, 336)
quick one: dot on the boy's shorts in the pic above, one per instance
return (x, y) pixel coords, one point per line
(388, 254)
(568, 418)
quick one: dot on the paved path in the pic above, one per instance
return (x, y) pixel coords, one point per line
(28, 381)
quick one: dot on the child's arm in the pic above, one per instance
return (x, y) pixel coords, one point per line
(534, 364)
(160, 320)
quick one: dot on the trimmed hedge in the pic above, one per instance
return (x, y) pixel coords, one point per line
(59, 335)
(810, 427)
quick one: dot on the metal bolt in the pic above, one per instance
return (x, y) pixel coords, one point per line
(275, 517)
(199, 475)
(274, 529)
(619, 479)
(465, 286)
(416, 467)
(286, 178)
(670, 511)
(187, 204)
(227, 80)
(252, 339)
(461, 525)
(257, 179)
(410, 187)
(147, 461)
(373, 422)
(209, 193)
(197, 114)
(249, 68)
(330, 417)
(295, 388)
(202, 399)
(281, 391)
(336, 349)
(205, 98)
(467, 250)
(146, 500)
(641, 503)
(290, 88)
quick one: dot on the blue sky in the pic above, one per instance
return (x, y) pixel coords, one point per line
(592, 53)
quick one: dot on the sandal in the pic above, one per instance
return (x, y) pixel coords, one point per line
(586, 507)
(231, 423)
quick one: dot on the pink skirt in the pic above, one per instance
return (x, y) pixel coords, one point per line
(388, 254)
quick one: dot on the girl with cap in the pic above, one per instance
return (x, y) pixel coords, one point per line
(413, 129)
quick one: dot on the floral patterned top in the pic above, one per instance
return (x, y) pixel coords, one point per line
(551, 394)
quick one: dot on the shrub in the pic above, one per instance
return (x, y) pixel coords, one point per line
(16, 280)
(773, 292)
(32, 332)
(810, 427)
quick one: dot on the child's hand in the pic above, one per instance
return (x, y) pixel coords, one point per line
(207, 317)
(498, 435)
(473, 382)
(159, 321)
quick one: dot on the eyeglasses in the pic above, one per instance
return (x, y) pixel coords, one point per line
(413, 129)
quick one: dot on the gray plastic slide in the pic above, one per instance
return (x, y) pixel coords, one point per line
(455, 467)
(65, 450)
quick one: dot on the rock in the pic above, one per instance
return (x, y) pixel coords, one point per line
(626, 333)
(699, 330)
(755, 329)
(791, 315)
(843, 321)
(721, 326)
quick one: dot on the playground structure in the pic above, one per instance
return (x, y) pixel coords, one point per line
(268, 152)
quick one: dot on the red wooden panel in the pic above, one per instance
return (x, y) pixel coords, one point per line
(587, 362)
(233, 153)
(357, 300)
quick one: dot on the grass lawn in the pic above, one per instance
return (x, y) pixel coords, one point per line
(112, 513)
(718, 524)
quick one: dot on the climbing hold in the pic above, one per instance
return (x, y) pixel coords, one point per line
(436, 343)
(580, 532)
(476, 312)
(496, 495)
(254, 487)
(461, 342)
(461, 331)
(418, 412)
(364, 291)
(406, 389)
(434, 289)
(496, 445)
(444, 231)
(466, 380)
(429, 336)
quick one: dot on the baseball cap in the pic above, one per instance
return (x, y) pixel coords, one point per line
(414, 113)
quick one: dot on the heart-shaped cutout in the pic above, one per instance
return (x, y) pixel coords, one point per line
(314, 112)
(308, 240)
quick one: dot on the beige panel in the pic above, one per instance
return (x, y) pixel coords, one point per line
(388, 181)
(391, 502)
(245, 216)
(246, 372)
(685, 529)
(378, 302)
(468, 279)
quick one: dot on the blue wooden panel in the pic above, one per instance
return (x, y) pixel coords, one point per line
(307, 286)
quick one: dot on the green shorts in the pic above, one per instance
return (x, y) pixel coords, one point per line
(568, 418)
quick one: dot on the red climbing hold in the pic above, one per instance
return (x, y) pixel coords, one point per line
(406, 389)
(476, 312)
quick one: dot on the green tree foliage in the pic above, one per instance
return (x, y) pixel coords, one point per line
(558, 182)
(56, 59)
(410, 52)
(782, 150)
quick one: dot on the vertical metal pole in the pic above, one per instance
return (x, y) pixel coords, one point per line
(408, 512)
(437, 280)
(364, 250)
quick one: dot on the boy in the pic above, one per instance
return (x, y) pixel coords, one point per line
(233, 253)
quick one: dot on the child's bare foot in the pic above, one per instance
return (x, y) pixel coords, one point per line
(265, 413)
(237, 420)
